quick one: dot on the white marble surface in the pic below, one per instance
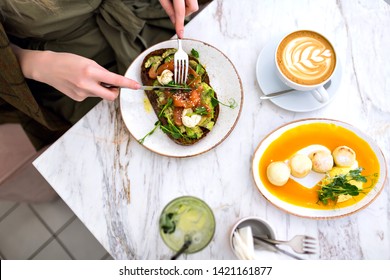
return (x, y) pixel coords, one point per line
(118, 188)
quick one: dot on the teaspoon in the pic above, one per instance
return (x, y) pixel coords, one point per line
(287, 91)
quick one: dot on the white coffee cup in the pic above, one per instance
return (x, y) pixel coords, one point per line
(306, 60)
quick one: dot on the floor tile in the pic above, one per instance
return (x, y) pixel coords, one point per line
(15, 148)
(81, 243)
(5, 206)
(55, 214)
(21, 234)
(108, 257)
(53, 251)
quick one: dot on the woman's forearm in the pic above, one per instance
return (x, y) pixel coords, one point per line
(30, 61)
(76, 76)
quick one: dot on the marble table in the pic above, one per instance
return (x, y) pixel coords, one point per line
(118, 188)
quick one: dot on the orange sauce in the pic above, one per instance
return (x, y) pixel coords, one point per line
(328, 135)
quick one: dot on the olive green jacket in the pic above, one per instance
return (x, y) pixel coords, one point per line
(17, 104)
(128, 27)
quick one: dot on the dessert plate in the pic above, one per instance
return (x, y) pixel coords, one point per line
(368, 155)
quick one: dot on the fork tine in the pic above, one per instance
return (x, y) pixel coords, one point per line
(180, 65)
(313, 250)
(309, 252)
(176, 71)
(180, 79)
(311, 241)
(309, 245)
(307, 237)
(182, 71)
(185, 74)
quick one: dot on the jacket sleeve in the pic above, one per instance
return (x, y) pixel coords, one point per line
(15, 91)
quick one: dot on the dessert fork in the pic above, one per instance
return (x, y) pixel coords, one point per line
(180, 65)
(301, 244)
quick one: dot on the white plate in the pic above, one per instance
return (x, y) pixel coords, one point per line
(140, 118)
(296, 101)
(317, 213)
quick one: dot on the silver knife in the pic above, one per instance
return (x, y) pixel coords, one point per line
(149, 87)
(162, 87)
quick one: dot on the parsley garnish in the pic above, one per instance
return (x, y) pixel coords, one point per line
(168, 104)
(194, 53)
(170, 128)
(174, 85)
(232, 103)
(173, 130)
(333, 187)
(158, 123)
(201, 111)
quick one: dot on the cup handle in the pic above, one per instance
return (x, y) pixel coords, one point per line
(321, 94)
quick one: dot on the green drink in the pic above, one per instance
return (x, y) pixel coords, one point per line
(189, 220)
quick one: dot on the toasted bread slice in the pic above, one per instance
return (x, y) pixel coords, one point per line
(176, 109)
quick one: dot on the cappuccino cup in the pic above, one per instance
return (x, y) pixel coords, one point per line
(305, 61)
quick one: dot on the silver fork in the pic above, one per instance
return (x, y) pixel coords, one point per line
(301, 244)
(180, 65)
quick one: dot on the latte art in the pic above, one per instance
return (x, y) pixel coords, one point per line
(306, 58)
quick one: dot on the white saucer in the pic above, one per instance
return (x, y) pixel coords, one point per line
(269, 82)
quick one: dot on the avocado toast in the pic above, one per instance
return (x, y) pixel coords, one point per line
(186, 116)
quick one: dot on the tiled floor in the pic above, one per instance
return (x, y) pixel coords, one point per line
(45, 231)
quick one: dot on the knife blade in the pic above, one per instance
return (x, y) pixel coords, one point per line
(150, 87)
(163, 87)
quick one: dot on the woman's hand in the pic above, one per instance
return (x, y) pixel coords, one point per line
(177, 10)
(75, 76)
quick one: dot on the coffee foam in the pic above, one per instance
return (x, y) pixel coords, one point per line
(306, 58)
